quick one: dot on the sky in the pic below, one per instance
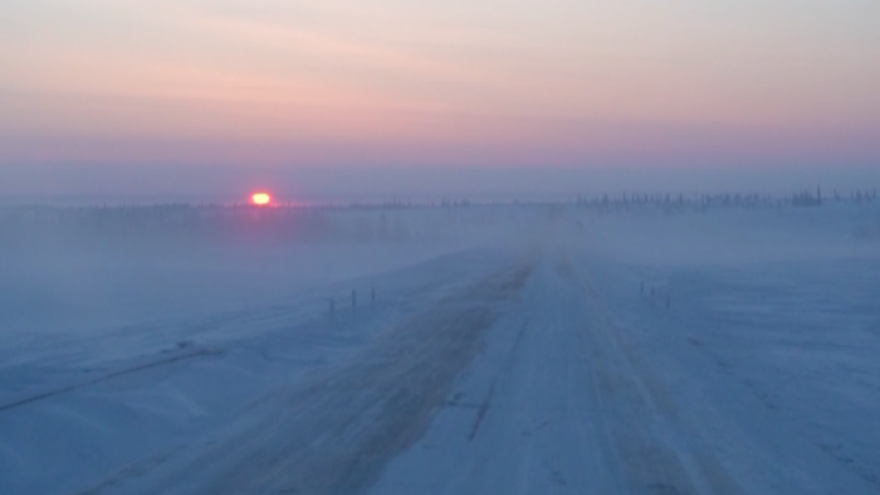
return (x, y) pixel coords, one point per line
(104, 91)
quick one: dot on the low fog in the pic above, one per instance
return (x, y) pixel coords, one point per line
(71, 269)
(131, 329)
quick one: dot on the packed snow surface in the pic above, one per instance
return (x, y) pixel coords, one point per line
(490, 349)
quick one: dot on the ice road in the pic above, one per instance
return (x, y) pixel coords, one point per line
(551, 371)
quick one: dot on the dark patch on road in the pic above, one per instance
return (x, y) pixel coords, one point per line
(482, 411)
(484, 406)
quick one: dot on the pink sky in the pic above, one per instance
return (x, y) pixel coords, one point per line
(306, 83)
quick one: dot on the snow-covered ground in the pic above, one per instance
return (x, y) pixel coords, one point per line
(533, 349)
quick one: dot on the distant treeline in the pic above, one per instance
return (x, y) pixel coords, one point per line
(394, 220)
(702, 202)
(184, 222)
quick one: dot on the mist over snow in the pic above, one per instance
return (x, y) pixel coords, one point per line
(140, 341)
(112, 264)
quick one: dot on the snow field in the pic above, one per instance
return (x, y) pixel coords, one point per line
(538, 363)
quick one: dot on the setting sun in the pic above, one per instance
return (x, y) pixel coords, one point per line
(261, 199)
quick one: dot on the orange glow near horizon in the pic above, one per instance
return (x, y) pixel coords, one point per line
(261, 198)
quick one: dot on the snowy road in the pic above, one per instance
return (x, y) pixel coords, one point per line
(545, 374)
(515, 385)
(556, 406)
